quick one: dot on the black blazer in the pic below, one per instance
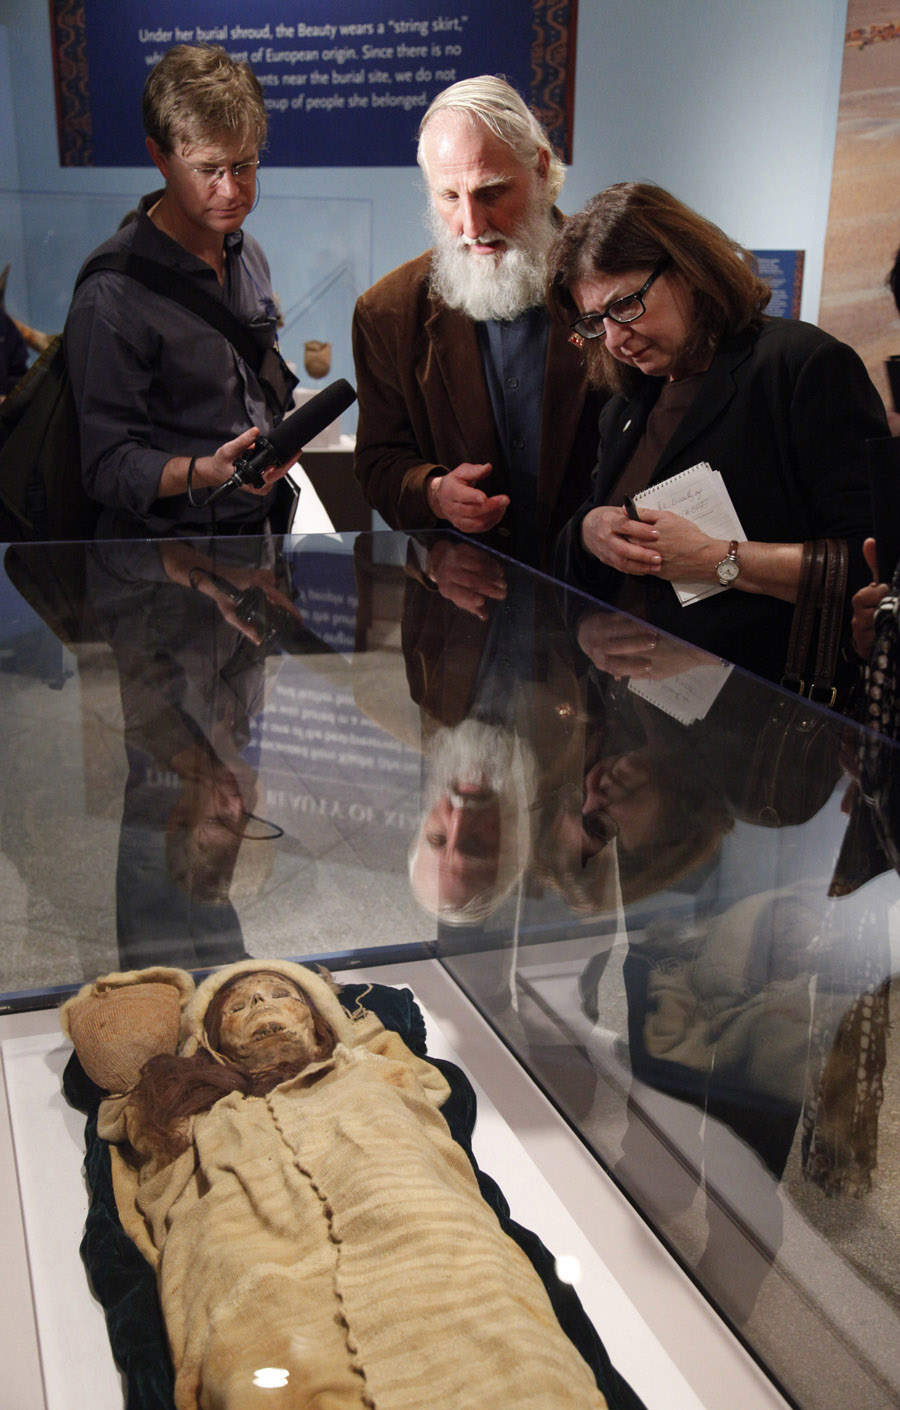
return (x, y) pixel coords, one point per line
(783, 414)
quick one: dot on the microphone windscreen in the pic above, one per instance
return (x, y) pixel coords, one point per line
(299, 428)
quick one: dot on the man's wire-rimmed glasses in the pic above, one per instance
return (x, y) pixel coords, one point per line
(212, 175)
(628, 309)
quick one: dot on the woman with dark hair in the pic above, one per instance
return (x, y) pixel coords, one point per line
(319, 1237)
(671, 316)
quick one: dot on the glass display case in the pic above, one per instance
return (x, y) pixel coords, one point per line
(647, 899)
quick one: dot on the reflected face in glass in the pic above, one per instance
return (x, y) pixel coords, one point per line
(203, 837)
(474, 839)
(265, 1019)
(655, 342)
(621, 788)
(210, 808)
(459, 854)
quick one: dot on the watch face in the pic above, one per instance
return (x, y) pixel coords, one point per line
(727, 571)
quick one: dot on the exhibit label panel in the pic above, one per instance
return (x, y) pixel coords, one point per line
(345, 84)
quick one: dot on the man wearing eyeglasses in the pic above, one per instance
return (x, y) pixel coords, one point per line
(474, 409)
(166, 402)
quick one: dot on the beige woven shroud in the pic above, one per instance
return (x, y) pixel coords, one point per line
(335, 1230)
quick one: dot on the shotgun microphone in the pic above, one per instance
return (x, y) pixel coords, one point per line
(289, 437)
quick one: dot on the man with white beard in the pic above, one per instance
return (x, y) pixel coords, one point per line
(474, 407)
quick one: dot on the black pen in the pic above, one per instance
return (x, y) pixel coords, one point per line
(630, 508)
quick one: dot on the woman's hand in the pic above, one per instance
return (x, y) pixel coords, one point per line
(669, 546)
(687, 553)
(659, 543)
(623, 647)
(617, 645)
(625, 544)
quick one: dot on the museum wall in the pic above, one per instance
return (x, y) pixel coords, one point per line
(733, 107)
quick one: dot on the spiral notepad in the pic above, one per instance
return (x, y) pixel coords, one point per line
(698, 494)
(687, 696)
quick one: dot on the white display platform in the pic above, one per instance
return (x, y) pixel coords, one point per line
(552, 1184)
(310, 516)
(77, 1367)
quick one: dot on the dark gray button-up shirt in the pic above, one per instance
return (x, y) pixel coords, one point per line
(152, 380)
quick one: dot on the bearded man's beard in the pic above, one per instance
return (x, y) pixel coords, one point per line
(470, 754)
(493, 286)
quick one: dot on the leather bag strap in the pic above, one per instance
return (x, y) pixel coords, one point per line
(831, 621)
(804, 618)
(817, 623)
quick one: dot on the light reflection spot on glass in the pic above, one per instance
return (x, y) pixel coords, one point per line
(568, 1268)
(270, 1377)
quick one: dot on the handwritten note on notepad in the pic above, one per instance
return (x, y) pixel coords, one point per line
(698, 494)
(687, 696)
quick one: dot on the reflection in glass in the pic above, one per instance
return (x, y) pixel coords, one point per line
(682, 923)
(190, 681)
(716, 1025)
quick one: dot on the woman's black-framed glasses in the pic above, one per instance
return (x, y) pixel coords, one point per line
(627, 309)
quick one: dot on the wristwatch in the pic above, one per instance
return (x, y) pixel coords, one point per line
(728, 568)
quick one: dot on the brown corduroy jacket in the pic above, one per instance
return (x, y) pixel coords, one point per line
(424, 408)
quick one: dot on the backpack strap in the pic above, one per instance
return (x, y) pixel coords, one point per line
(182, 290)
